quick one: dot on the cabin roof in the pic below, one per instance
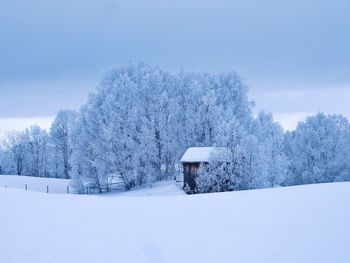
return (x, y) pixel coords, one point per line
(204, 154)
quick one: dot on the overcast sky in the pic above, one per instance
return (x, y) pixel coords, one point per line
(293, 54)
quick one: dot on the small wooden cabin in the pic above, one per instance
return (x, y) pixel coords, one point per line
(194, 157)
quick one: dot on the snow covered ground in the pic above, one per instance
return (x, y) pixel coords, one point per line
(167, 188)
(294, 224)
(38, 184)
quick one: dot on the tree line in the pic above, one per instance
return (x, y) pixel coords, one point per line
(141, 119)
(36, 152)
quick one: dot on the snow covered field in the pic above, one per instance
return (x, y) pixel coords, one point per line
(167, 188)
(294, 224)
(38, 184)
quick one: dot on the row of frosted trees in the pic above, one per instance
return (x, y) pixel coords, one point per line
(318, 151)
(36, 152)
(141, 119)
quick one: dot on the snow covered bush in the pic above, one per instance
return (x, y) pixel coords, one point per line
(214, 177)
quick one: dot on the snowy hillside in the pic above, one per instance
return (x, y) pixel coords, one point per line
(294, 224)
(38, 184)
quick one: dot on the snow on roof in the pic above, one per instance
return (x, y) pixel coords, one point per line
(203, 154)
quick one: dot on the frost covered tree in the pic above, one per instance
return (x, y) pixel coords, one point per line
(15, 143)
(25, 152)
(239, 164)
(85, 154)
(255, 157)
(61, 137)
(36, 151)
(7, 163)
(319, 150)
(274, 162)
(243, 155)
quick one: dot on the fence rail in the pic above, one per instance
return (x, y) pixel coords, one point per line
(44, 189)
(88, 189)
(105, 188)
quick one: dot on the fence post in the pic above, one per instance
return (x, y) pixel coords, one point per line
(26, 187)
(67, 189)
(47, 189)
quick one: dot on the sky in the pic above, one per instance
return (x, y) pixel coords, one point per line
(294, 55)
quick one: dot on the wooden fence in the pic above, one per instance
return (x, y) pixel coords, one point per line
(88, 189)
(47, 189)
(105, 188)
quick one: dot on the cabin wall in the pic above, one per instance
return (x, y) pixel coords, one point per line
(190, 171)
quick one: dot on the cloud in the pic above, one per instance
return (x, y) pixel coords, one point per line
(289, 121)
(288, 38)
(9, 124)
(311, 98)
(45, 97)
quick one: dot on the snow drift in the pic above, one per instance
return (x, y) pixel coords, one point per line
(292, 224)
